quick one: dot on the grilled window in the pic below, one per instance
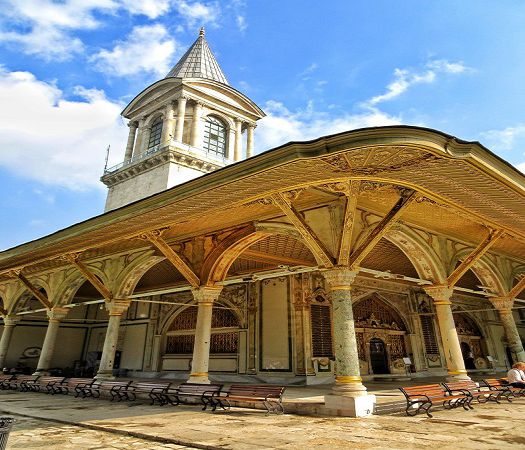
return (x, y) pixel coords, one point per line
(429, 336)
(155, 133)
(220, 343)
(215, 137)
(321, 331)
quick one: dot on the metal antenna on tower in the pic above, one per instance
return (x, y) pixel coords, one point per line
(107, 157)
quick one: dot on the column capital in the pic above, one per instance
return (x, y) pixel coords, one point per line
(117, 307)
(133, 124)
(11, 320)
(206, 294)
(251, 125)
(440, 294)
(184, 98)
(339, 278)
(502, 304)
(57, 313)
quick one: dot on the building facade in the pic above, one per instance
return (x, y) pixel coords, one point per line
(371, 253)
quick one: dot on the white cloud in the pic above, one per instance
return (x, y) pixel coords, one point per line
(149, 8)
(42, 27)
(282, 125)
(237, 9)
(46, 27)
(505, 140)
(57, 141)
(148, 48)
(241, 23)
(406, 78)
(442, 65)
(198, 13)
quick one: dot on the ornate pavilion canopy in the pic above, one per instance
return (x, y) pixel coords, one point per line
(463, 192)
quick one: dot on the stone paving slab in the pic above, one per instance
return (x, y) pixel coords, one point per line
(41, 434)
(488, 426)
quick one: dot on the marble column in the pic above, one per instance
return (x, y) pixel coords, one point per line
(349, 396)
(167, 126)
(131, 140)
(504, 307)
(196, 137)
(55, 315)
(249, 140)
(181, 114)
(238, 140)
(205, 296)
(116, 309)
(449, 337)
(9, 326)
(140, 138)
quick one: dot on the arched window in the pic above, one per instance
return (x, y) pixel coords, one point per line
(214, 137)
(155, 133)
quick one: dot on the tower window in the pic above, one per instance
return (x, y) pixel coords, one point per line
(214, 137)
(155, 133)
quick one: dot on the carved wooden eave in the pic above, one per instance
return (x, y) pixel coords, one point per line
(460, 179)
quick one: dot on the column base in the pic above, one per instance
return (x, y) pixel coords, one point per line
(105, 375)
(41, 373)
(343, 405)
(457, 376)
(200, 378)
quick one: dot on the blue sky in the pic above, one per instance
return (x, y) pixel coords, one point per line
(67, 69)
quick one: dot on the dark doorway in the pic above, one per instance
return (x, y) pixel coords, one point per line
(378, 356)
(468, 356)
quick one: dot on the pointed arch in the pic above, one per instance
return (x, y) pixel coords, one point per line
(386, 313)
(10, 293)
(67, 290)
(422, 256)
(486, 272)
(128, 278)
(218, 262)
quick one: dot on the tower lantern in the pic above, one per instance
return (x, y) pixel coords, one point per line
(189, 123)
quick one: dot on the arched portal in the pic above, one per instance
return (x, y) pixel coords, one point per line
(473, 347)
(381, 336)
(378, 356)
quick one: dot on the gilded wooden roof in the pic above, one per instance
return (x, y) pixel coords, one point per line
(466, 190)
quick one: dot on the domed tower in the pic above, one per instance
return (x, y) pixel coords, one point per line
(189, 123)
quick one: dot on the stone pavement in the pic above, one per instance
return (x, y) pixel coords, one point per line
(58, 422)
(41, 434)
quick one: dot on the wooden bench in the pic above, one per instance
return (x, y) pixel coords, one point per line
(270, 396)
(501, 388)
(20, 382)
(187, 391)
(422, 398)
(4, 380)
(156, 391)
(113, 388)
(44, 384)
(72, 385)
(480, 393)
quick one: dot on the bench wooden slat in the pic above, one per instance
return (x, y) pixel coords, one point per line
(269, 395)
(422, 398)
(188, 391)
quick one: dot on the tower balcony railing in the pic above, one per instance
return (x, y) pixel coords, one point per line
(194, 151)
